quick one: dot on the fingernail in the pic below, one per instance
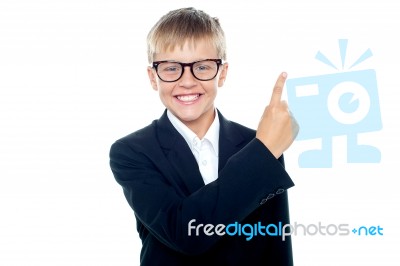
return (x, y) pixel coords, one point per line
(284, 74)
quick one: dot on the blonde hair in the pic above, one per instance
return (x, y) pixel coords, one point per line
(182, 25)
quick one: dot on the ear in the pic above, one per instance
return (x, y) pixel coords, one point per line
(152, 77)
(222, 75)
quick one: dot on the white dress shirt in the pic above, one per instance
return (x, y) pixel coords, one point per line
(204, 150)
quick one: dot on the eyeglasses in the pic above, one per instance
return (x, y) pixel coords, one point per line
(170, 71)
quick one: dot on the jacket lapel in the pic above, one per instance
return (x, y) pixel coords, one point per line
(230, 140)
(181, 157)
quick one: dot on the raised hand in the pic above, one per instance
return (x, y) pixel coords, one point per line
(277, 128)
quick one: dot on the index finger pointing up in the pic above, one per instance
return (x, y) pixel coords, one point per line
(278, 88)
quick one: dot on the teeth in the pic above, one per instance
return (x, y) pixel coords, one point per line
(188, 98)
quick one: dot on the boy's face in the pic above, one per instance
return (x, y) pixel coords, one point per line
(189, 99)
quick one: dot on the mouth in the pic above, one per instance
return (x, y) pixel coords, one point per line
(189, 98)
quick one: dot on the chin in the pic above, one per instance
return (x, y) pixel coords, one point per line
(193, 115)
(188, 117)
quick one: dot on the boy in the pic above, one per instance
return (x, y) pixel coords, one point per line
(192, 171)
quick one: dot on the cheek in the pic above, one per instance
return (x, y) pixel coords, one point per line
(164, 90)
(214, 87)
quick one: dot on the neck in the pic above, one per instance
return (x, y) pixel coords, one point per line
(202, 124)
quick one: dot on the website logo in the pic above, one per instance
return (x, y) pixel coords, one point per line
(249, 231)
(330, 105)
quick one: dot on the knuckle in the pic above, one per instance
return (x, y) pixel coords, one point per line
(278, 88)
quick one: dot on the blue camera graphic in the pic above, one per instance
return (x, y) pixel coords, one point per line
(344, 103)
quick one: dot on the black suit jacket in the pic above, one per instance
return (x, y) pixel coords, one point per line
(163, 185)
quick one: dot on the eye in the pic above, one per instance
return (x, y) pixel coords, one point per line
(202, 67)
(169, 67)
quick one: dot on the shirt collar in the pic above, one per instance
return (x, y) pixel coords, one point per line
(212, 134)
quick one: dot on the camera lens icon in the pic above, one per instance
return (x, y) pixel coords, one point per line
(348, 103)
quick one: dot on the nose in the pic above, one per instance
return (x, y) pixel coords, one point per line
(187, 80)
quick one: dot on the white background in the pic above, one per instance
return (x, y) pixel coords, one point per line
(73, 80)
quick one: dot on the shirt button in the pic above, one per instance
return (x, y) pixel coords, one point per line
(204, 162)
(194, 142)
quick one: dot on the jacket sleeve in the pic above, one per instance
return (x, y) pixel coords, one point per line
(245, 182)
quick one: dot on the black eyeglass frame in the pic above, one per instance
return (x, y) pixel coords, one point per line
(183, 65)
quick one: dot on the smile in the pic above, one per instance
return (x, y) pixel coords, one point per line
(188, 98)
